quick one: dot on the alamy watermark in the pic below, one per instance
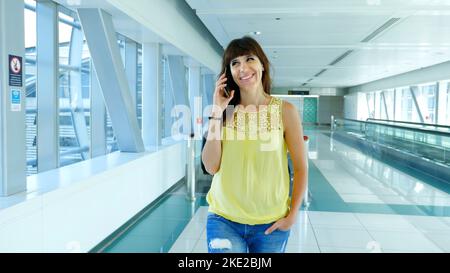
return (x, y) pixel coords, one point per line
(252, 123)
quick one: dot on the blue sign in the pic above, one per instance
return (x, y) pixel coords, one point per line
(15, 100)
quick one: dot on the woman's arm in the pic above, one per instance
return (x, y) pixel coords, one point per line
(212, 152)
(293, 134)
(294, 139)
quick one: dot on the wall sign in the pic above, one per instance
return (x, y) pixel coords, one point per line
(15, 71)
(15, 100)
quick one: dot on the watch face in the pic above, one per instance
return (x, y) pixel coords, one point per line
(15, 65)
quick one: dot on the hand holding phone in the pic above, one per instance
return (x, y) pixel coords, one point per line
(222, 94)
(225, 89)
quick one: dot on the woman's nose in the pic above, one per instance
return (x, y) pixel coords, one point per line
(243, 67)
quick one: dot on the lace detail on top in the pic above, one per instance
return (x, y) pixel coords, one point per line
(268, 118)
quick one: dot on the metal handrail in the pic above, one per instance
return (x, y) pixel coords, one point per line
(409, 122)
(434, 132)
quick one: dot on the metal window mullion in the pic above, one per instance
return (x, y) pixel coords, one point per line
(194, 98)
(98, 117)
(436, 108)
(152, 94)
(416, 104)
(12, 123)
(368, 105)
(47, 85)
(76, 92)
(131, 69)
(395, 104)
(385, 105)
(177, 75)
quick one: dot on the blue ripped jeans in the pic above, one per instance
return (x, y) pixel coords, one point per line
(225, 236)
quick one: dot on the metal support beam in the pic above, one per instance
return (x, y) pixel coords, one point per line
(169, 101)
(151, 94)
(383, 97)
(443, 114)
(131, 69)
(436, 108)
(12, 99)
(412, 90)
(208, 89)
(101, 38)
(47, 85)
(177, 74)
(395, 104)
(371, 115)
(76, 92)
(98, 118)
(195, 100)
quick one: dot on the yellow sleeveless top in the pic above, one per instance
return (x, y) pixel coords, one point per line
(252, 184)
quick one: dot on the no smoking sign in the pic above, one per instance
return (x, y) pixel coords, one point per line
(15, 71)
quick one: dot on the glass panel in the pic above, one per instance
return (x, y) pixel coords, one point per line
(30, 79)
(139, 87)
(74, 93)
(448, 104)
(426, 98)
(168, 101)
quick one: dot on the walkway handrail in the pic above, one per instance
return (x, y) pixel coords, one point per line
(434, 132)
(409, 122)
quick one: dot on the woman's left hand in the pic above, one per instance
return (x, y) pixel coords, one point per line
(283, 224)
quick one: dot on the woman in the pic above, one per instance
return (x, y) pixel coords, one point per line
(249, 205)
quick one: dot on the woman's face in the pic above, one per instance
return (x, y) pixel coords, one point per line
(247, 71)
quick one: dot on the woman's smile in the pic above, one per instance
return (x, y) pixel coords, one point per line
(246, 78)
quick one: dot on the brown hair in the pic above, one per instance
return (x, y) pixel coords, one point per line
(240, 47)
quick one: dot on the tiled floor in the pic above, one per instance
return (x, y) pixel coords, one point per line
(358, 205)
(316, 232)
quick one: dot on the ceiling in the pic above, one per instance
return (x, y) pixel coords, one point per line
(124, 24)
(303, 37)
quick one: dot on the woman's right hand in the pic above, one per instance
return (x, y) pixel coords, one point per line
(220, 101)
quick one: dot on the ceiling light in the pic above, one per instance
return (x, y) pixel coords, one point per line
(255, 33)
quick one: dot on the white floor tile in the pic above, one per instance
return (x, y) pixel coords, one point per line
(183, 246)
(200, 247)
(303, 237)
(295, 248)
(361, 198)
(193, 230)
(325, 249)
(385, 222)
(333, 219)
(441, 239)
(354, 238)
(401, 240)
(429, 223)
(409, 251)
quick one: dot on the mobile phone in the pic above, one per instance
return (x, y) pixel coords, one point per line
(225, 89)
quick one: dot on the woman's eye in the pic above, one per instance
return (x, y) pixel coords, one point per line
(233, 63)
(250, 59)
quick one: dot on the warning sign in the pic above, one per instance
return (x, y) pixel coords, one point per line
(15, 71)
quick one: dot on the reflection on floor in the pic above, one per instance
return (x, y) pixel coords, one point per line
(358, 204)
(316, 232)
